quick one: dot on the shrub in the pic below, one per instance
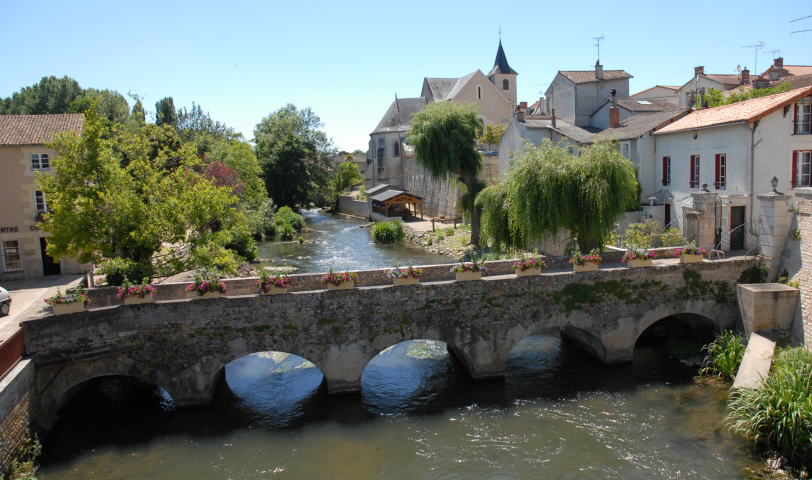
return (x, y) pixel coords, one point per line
(260, 220)
(672, 237)
(244, 246)
(725, 355)
(639, 234)
(448, 232)
(779, 414)
(116, 269)
(286, 232)
(286, 216)
(301, 239)
(388, 232)
(755, 274)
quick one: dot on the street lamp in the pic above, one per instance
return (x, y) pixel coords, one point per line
(774, 183)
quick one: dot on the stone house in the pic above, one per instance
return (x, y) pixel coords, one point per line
(658, 92)
(534, 129)
(691, 89)
(575, 95)
(23, 154)
(628, 107)
(735, 150)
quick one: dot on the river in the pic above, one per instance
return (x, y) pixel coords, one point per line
(557, 414)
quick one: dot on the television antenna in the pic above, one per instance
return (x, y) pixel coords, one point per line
(756, 47)
(774, 52)
(808, 16)
(599, 46)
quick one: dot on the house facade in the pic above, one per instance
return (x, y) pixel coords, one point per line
(658, 92)
(23, 155)
(574, 95)
(534, 129)
(691, 89)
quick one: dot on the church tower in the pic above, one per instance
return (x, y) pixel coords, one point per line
(503, 76)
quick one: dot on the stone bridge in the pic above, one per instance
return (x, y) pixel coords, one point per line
(183, 345)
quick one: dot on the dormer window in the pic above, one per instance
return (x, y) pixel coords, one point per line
(505, 84)
(396, 150)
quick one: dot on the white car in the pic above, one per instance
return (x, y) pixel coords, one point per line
(5, 302)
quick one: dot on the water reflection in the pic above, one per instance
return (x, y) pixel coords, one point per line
(341, 244)
(557, 414)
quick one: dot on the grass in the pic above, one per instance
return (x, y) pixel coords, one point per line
(725, 353)
(779, 414)
(388, 232)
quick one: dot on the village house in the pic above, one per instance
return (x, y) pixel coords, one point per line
(23, 154)
(658, 92)
(576, 94)
(735, 150)
(704, 81)
(627, 107)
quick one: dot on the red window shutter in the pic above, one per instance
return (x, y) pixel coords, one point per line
(718, 167)
(665, 170)
(794, 170)
(693, 171)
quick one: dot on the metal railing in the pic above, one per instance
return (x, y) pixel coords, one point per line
(11, 351)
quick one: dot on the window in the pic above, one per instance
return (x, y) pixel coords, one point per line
(11, 256)
(721, 171)
(39, 198)
(694, 178)
(624, 150)
(479, 92)
(666, 171)
(505, 85)
(396, 150)
(40, 161)
(801, 169)
(803, 119)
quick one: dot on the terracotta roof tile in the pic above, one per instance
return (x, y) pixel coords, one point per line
(36, 129)
(746, 111)
(725, 79)
(586, 76)
(792, 69)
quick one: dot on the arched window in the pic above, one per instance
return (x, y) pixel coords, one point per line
(397, 150)
(505, 84)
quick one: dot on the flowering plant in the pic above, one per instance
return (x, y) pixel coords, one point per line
(581, 260)
(337, 278)
(278, 280)
(472, 266)
(638, 254)
(207, 282)
(690, 249)
(131, 290)
(63, 299)
(528, 263)
(408, 272)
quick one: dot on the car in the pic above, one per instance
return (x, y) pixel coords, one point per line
(5, 302)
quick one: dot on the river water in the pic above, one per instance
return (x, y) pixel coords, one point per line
(557, 414)
(340, 244)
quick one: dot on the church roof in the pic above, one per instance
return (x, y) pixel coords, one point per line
(439, 87)
(500, 65)
(460, 83)
(398, 117)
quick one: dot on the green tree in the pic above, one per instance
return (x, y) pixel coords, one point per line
(294, 154)
(547, 190)
(715, 98)
(111, 106)
(492, 134)
(193, 122)
(51, 95)
(165, 113)
(238, 155)
(444, 137)
(159, 220)
(347, 176)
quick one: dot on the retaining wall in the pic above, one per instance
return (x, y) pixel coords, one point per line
(18, 402)
(346, 204)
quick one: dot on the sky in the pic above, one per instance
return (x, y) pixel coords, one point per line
(242, 60)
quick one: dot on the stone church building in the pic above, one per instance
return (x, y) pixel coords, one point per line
(389, 158)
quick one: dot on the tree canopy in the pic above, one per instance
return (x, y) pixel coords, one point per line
(444, 136)
(547, 190)
(294, 154)
(716, 98)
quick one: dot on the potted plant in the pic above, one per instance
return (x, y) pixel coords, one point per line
(638, 257)
(586, 263)
(68, 303)
(690, 253)
(207, 285)
(529, 266)
(340, 280)
(133, 294)
(467, 271)
(405, 276)
(276, 283)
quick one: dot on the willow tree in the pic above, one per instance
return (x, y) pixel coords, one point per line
(547, 190)
(444, 137)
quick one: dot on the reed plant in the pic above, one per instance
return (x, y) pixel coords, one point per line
(725, 354)
(779, 414)
(388, 232)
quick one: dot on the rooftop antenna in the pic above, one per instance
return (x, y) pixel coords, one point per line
(757, 47)
(774, 52)
(599, 46)
(798, 19)
(808, 16)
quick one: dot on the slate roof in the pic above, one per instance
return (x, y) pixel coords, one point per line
(586, 76)
(636, 126)
(564, 128)
(36, 129)
(377, 189)
(746, 111)
(460, 83)
(382, 197)
(398, 118)
(500, 65)
(439, 87)
(642, 106)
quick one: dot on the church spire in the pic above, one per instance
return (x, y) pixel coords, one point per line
(500, 65)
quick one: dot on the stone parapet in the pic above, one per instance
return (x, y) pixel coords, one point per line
(18, 402)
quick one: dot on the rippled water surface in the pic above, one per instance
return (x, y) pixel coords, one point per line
(339, 243)
(557, 414)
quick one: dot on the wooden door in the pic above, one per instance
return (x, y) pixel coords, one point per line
(737, 228)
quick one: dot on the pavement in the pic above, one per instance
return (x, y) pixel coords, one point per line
(28, 297)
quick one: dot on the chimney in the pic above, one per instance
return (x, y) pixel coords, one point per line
(614, 117)
(598, 70)
(699, 71)
(745, 76)
(553, 118)
(779, 62)
(614, 97)
(519, 113)
(524, 106)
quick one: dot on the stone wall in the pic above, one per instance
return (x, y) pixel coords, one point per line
(350, 206)
(797, 260)
(441, 197)
(18, 402)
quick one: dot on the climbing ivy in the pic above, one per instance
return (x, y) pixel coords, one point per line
(696, 289)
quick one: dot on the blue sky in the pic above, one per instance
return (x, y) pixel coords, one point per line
(347, 60)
